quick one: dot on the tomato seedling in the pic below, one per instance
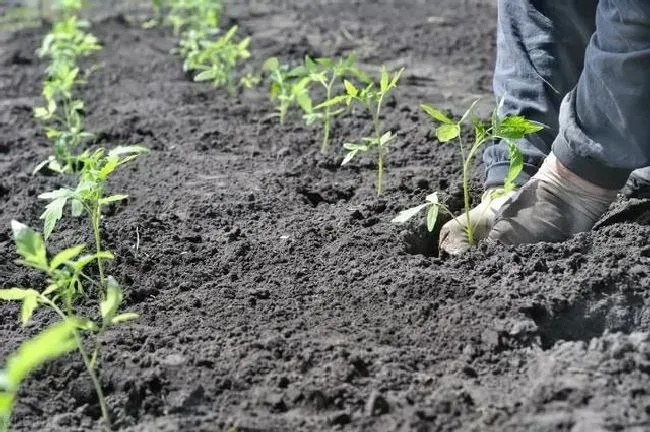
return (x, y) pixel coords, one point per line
(63, 120)
(89, 196)
(199, 15)
(66, 43)
(287, 88)
(508, 129)
(66, 281)
(327, 73)
(217, 61)
(372, 98)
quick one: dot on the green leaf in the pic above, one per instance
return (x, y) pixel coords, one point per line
(40, 112)
(336, 100)
(206, 75)
(54, 341)
(65, 256)
(325, 62)
(517, 127)
(300, 71)
(87, 259)
(447, 132)
(384, 80)
(349, 156)
(130, 149)
(304, 101)
(77, 207)
(129, 316)
(350, 88)
(14, 294)
(271, 64)
(358, 147)
(40, 166)
(396, 78)
(50, 289)
(112, 198)
(30, 245)
(109, 305)
(29, 305)
(386, 138)
(52, 214)
(436, 114)
(59, 193)
(432, 214)
(309, 64)
(469, 111)
(406, 215)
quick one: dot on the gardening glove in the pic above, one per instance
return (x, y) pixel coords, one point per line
(554, 205)
(453, 235)
(638, 185)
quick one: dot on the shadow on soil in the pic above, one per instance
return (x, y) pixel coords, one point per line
(589, 318)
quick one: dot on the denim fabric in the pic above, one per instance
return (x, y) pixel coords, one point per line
(582, 68)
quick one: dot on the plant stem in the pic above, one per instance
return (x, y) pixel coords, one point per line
(380, 150)
(328, 120)
(84, 355)
(96, 215)
(94, 379)
(470, 228)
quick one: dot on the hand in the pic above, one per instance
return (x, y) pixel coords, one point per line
(554, 205)
(453, 235)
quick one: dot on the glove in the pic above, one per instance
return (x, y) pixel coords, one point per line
(554, 205)
(638, 185)
(453, 234)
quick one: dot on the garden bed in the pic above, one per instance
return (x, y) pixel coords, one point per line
(274, 293)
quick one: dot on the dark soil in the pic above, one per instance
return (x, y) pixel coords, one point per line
(274, 292)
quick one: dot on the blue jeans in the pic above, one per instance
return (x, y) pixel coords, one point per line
(581, 68)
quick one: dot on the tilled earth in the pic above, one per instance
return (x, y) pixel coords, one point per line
(274, 292)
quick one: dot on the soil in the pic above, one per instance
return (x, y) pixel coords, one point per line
(274, 293)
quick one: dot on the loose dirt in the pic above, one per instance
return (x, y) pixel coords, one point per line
(275, 295)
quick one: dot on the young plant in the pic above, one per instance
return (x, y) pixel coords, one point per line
(66, 43)
(66, 281)
(202, 16)
(216, 61)
(372, 98)
(328, 73)
(288, 88)
(63, 120)
(89, 197)
(62, 113)
(508, 129)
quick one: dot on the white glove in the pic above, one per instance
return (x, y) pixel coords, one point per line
(554, 205)
(453, 235)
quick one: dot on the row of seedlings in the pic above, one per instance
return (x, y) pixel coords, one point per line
(75, 272)
(345, 86)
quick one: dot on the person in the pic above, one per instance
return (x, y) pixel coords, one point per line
(582, 69)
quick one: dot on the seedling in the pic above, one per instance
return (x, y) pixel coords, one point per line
(509, 129)
(199, 15)
(216, 61)
(63, 121)
(89, 196)
(66, 280)
(62, 113)
(327, 72)
(372, 98)
(287, 87)
(66, 42)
